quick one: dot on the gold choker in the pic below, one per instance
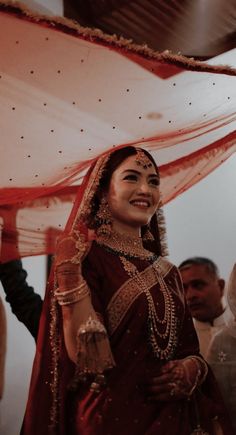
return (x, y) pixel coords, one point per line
(125, 245)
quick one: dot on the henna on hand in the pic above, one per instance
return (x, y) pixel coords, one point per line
(178, 379)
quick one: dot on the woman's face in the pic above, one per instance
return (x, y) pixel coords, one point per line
(133, 194)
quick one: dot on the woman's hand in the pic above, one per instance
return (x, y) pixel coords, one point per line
(85, 336)
(177, 379)
(71, 250)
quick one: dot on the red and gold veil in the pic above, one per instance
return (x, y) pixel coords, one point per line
(52, 369)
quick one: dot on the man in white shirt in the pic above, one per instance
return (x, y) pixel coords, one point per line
(215, 325)
(204, 292)
(222, 352)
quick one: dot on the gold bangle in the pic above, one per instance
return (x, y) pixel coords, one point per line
(202, 371)
(59, 293)
(202, 366)
(72, 296)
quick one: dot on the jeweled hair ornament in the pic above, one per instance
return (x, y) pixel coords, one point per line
(142, 159)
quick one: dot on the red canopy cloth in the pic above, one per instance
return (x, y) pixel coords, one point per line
(69, 94)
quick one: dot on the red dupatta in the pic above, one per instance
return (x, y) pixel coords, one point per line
(86, 93)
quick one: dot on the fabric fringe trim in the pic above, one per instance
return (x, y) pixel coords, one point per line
(96, 35)
(162, 232)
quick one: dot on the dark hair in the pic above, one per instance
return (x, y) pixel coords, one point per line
(115, 160)
(200, 261)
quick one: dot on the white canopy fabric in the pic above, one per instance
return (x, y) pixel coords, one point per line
(68, 94)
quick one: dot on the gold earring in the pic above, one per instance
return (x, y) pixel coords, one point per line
(103, 218)
(148, 237)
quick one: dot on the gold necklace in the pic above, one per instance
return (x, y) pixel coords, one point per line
(125, 245)
(128, 247)
(169, 319)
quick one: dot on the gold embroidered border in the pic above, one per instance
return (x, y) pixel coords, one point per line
(84, 207)
(129, 291)
(66, 25)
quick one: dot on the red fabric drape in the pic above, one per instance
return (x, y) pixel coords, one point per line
(68, 94)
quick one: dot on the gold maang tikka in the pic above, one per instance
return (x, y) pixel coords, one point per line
(142, 159)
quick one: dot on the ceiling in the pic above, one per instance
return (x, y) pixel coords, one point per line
(199, 28)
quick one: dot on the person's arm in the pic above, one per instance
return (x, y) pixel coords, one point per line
(86, 339)
(24, 302)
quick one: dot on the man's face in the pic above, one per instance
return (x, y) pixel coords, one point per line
(203, 291)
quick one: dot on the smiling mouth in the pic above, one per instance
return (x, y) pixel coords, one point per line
(141, 204)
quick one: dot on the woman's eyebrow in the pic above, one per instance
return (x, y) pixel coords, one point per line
(134, 171)
(131, 170)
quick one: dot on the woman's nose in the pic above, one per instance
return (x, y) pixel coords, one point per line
(144, 188)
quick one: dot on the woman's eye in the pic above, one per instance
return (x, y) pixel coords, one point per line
(131, 177)
(154, 182)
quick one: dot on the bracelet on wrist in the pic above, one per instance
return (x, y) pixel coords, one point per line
(73, 295)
